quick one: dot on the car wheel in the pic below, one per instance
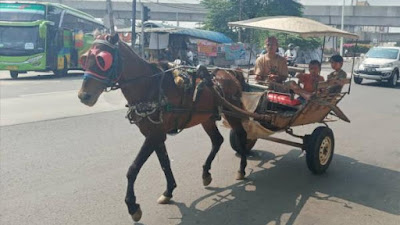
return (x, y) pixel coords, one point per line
(64, 71)
(393, 81)
(14, 74)
(358, 80)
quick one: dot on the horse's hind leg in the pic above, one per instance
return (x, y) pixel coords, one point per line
(150, 144)
(241, 133)
(216, 140)
(166, 167)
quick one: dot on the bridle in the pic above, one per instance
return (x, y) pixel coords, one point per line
(112, 67)
(112, 76)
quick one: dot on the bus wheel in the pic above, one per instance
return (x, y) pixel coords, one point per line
(63, 72)
(14, 74)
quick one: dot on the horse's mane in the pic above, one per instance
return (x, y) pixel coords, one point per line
(157, 67)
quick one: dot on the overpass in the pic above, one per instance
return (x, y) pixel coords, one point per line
(387, 16)
(380, 37)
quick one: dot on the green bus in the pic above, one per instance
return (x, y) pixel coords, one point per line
(39, 36)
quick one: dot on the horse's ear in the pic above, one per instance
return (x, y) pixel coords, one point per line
(170, 65)
(113, 39)
(202, 72)
(96, 33)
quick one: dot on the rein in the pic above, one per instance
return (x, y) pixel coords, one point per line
(112, 81)
(118, 85)
(137, 112)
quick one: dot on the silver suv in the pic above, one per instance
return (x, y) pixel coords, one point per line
(381, 63)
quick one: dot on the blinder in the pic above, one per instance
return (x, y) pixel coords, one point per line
(107, 62)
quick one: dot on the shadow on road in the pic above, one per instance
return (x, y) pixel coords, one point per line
(378, 84)
(285, 187)
(24, 77)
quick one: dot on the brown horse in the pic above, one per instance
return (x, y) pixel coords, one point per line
(148, 90)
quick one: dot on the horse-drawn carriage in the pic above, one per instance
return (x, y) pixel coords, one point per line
(284, 111)
(158, 106)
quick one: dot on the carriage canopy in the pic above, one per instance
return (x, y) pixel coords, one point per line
(293, 25)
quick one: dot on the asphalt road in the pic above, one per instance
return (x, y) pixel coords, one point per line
(64, 163)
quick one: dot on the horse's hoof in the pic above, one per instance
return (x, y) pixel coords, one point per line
(163, 199)
(137, 215)
(207, 180)
(239, 176)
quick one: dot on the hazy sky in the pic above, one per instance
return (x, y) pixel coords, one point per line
(339, 2)
(306, 2)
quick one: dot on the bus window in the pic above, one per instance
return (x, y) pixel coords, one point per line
(70, 22)
(20, 41)
(21, 12)
(54, 14)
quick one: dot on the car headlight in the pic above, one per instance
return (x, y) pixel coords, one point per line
(34, 59)
(361, 67)
(387, 65)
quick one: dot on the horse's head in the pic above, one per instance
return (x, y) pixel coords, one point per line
(102, 68)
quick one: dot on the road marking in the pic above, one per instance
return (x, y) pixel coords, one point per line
(49, 93)
(27, 82)
(54, 105)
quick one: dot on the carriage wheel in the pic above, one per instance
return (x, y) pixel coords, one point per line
(234, 140)
(319, 149)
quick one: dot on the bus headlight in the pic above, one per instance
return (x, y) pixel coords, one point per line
(35, 60)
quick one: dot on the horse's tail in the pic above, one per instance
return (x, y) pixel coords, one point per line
(231, 102)
(235, 111)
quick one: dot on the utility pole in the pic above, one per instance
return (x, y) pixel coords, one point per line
(342, 28)
(142, 33)
(110, 16)
(133, 33)
(240, 18)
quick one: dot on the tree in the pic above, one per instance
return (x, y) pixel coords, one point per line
(223, 11)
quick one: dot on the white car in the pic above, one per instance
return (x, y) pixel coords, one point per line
(381, 63)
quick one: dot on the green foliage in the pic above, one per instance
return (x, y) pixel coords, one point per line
(219, 14)
(398, 44)
(303, 43)
(285, 39)
(361, 48)
(223, 11)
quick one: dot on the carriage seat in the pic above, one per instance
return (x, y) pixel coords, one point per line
(282, 99)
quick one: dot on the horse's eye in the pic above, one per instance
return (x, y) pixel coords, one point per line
(104, 60)
(100, 62)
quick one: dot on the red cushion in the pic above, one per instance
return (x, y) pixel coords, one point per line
(283, 99)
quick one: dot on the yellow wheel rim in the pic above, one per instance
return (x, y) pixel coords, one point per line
(325, 151)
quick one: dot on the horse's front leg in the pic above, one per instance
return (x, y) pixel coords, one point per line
(150, 144)
(162, 155)
(216, 140)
